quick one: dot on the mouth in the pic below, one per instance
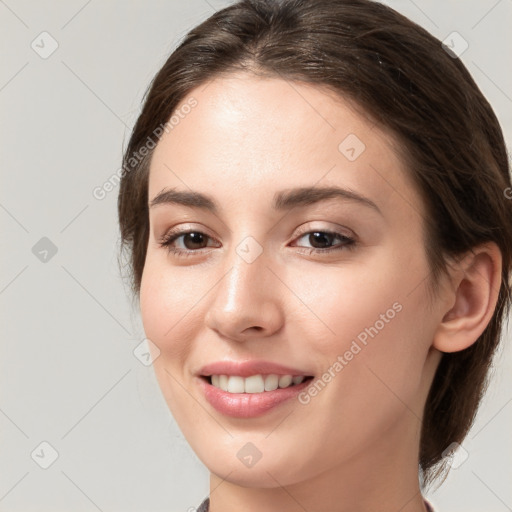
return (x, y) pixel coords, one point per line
(259, 383)
(251, 388)
(252, 396)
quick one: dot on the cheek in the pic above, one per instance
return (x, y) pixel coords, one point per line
(152, 295)
(167, 312)
(372, 366)
(373, 318)
(167, 308)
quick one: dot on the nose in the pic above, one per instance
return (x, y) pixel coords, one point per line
(247, 300)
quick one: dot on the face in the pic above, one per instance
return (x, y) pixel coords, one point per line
(333, 287)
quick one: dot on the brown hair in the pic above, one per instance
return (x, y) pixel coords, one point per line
(403, 78)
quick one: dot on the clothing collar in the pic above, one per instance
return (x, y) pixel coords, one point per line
(205, 505)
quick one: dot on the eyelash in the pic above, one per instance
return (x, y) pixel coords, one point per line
(167, 239)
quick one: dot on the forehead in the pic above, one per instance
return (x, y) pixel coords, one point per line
(251, 135)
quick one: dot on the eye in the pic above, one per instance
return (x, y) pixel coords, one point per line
(193, 241)
(322, 241)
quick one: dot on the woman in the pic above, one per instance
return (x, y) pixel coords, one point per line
(313, 203)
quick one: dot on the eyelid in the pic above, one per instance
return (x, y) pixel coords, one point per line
(349, 242)
(184, 229)
(342, 230)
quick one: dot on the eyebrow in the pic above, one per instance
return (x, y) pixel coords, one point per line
(283, 200)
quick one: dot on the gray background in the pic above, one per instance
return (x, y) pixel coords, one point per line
(69, 376)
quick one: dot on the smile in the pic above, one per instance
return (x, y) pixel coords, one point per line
(255, 383)
(250, 404)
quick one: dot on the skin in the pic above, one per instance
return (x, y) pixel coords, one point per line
(354, 446)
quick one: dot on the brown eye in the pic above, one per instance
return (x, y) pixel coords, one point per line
(191, 241)
(321, 241)
(194, 240)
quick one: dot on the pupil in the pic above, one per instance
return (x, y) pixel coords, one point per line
(195, 238)
(319, 235)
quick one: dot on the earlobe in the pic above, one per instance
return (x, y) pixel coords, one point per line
(476, 284)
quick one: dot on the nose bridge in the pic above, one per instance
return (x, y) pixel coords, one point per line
(247, 266)
(244, 298)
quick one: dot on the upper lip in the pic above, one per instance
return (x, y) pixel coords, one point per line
(248, 368)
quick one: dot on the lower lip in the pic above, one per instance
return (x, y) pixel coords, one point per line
(248, 405)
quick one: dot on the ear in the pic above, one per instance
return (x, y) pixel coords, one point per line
(476, 281)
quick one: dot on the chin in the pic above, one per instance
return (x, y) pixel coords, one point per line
(269, 472)
(260, 478)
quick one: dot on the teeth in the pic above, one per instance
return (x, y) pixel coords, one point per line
(254, 383)
(285, 381)
(235, 384)
(223, 382)
(271, 382)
